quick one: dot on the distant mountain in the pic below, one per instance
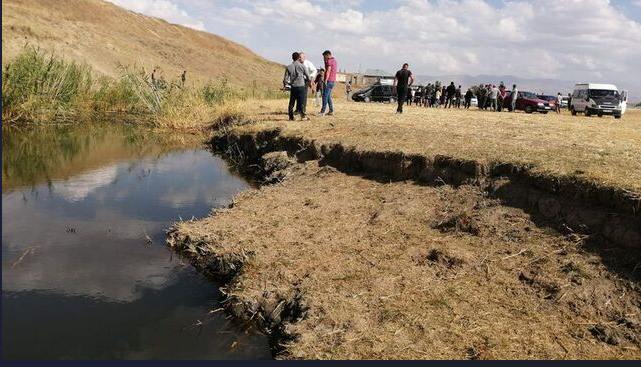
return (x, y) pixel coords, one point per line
(104, 35)
(542, 86)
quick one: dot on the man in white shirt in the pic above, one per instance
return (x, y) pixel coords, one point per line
(559, 102)
(515, 96)
(311, 70)
(494, 95)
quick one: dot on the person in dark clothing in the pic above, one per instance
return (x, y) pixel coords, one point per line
(468, 99)
(183, 79)
(430, 95)
(482, 96)
(451, 92)
(427, 96)
(402, 81)
(296, 76)
(458, 96)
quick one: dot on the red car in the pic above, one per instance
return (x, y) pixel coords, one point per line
(528, 102)
(552, 99)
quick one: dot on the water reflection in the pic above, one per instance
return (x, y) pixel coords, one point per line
(79, 278)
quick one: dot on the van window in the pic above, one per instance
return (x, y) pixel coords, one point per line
(576, 93)
(600, 93)
(583, 93)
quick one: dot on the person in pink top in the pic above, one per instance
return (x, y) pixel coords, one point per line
(331, 68)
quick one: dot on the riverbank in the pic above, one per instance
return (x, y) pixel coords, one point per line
(436, 234)
(44, 89)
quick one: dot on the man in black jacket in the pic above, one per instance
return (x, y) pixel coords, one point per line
(451, 92)
(402, 81)
(468, 98)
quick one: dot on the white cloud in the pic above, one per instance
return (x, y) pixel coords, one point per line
(573, 40)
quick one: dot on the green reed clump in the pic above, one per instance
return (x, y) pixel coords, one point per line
(43, 88)
(38, 87)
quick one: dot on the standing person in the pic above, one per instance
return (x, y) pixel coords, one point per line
(502, 94)
(488, 101)
(458, 96)
(482, 96)
(296, 75)
(403, 80)
(559, 102)
(468, 98)
(437, 97)
(319, 86)
(428, 95)
(494, 96)
(311, 71)
(451, 92)
(515, 96)
(183, 79)
(569, 100)
(348, 90)
(331, 68)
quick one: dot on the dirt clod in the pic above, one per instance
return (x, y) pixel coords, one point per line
(459, 222)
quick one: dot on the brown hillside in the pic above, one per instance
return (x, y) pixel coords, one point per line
(105, 35)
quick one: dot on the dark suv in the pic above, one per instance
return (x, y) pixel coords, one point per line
(528, 102)
(376, 93)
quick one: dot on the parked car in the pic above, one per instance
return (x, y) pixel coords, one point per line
(551, 99)
(376, 93)
(598, 99)
(528, 102)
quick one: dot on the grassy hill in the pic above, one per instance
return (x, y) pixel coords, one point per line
(105, 35)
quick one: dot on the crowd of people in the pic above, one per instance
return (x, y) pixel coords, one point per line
(301, 76)
(489, 97)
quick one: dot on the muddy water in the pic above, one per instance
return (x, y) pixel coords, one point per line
(85, 271)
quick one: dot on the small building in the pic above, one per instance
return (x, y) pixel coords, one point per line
(343, 77)
(372, 76)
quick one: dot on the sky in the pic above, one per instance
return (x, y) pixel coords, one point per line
(580, 40)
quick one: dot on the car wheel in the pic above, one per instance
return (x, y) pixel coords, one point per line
(367, 99)
(587, 113)
(573, 111)
(618, 117)
(600, 115)
(528, 109)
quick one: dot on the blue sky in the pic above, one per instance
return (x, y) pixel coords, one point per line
(586, 40)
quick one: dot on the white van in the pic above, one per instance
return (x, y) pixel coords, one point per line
(598, 99)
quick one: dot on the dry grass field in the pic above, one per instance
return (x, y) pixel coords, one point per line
(342, 265)
(352, 268)
(603, 150)
(104, 35)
